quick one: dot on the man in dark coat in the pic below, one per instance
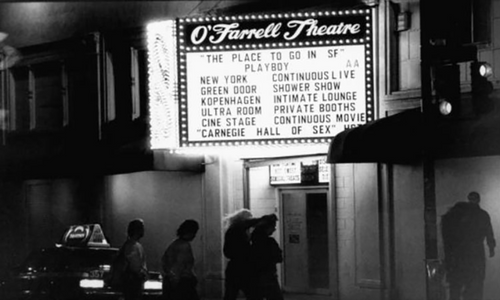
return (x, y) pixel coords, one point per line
(465, 227)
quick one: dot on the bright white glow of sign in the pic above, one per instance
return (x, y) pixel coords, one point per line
(286, 173)
(323, 171)
(286, 78)
(313, 92)
(253, 80)
(163, 97)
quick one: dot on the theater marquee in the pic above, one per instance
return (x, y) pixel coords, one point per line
(283, 78)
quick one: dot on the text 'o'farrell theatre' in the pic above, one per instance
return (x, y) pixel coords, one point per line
(259, 79)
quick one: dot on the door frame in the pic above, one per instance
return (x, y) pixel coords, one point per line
(332, 235)
(332, 208)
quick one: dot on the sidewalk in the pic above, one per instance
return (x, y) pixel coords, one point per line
(306, 297)
(289, 296)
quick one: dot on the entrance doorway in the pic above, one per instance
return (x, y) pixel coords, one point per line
(306, 246)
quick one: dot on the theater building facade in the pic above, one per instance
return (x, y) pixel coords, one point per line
(323, 114)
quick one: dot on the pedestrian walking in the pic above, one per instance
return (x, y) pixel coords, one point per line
(136, 271)
(266, 253)
(237, 249)
(179, 281)
(465, 228)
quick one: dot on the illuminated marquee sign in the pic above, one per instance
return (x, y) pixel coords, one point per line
(285, 78)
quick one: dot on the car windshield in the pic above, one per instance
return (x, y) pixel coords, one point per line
(68, 259)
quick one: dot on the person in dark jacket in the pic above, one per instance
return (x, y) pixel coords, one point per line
(465, 228)
(237, 250)
(137, 272)
(266, 254)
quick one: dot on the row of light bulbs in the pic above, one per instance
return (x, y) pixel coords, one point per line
(276, 16)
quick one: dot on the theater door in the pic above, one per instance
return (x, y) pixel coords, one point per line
(305, 221)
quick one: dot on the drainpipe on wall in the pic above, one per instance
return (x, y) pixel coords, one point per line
(387, 234)
(246, 186)
(432, 266)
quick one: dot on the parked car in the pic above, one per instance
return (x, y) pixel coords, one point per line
(76, 269)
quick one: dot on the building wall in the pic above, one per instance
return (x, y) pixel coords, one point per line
(409, 48)
(357, 201)
(234, 186)
(262, 195)
(13, 248)
(344, 191)
(40, 210)
(36, 213)
(357, 230)
(491, 54)
(163, 200)
(220, 190)
(455, 178)
(31, 23)
(409, 237)
(223, 185)
(398, 57)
